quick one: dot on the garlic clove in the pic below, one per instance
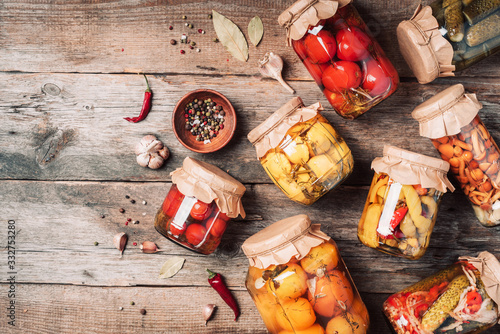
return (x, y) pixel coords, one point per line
(149, 247)
(120, 240)
(208, 310)
(271, 66)
(148, 139)
(156, 161)
(143, 159)
(164, 152)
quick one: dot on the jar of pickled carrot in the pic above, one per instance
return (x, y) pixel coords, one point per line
(450, 119)
(199, 205)
(301, 152)
(462, 298)
(299, 282)
(338, 50)
(402, 204)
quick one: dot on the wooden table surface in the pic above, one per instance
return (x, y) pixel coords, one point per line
(68, 76)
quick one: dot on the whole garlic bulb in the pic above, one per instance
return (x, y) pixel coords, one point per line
(151, 152)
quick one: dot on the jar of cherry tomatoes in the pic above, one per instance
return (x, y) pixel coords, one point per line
(449, 36)
(199, 205)
(462, 298)
(402, 204)
(299, 282)
(450, 119)
(301, 152)
(344, 59)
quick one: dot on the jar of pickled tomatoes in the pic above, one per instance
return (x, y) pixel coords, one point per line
(344, 59)
(199, 205)
(299, 282)
(449, 36)
(301, 152)
(462, 298)
(402, 204)
(450, 119)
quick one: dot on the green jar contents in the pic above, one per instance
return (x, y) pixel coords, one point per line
(462, 298)
(449, 36)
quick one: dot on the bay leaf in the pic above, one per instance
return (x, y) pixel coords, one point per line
(171, 267)
(230, 36)
(255, 30)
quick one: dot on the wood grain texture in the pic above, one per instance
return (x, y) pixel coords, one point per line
(79, 119)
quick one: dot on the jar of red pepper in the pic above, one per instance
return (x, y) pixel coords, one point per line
(199, 205)
(339, 52)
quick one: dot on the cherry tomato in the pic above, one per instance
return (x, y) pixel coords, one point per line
(217, 226)
(316, 70)
(201, 211)
(177, 230)
(376, 81)
(390, 71)
(335, 98)
(195, 234)
(352, 44)
(320, 47)
(342, 75)
(299, 48)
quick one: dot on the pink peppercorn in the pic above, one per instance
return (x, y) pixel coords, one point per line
(135, 244)
(126, 223)
(170, 27)
(183, 52)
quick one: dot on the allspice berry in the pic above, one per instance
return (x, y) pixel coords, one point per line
(173, 41)
(143, 311)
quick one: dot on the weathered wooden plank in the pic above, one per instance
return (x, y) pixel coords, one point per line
(58, 223)
(133, 36)
(78, 118)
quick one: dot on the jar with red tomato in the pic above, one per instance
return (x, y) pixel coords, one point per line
(199, 205)
(457, 299)
(344, 59)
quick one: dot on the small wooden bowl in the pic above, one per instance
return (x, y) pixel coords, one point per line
(187, 139)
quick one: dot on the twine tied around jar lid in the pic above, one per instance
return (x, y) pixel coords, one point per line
(208, 183)
(428, 54)
(411, 168)
(297, 18)
(269, 133)
(447, 112)
(489, 268)
(279, 242)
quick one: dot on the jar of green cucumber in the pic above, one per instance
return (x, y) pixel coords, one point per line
(463, 298)
(449, 36)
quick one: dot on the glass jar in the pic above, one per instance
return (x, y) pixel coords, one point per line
(199, 205)
(454, 300)
(402, 204)
(461, 138)
(299, 282)
(449, 36)
(344, 59)
(301, 152)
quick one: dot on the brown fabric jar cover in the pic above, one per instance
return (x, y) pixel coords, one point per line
(447, 112)
(208, 183)
(269, 133)
(304, 13)
(489, 268)
(279, 242)
(411, 168)
(427, 52)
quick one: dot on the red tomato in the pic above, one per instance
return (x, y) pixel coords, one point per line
(391, 72)
(201, 211)
(195, 234)
(335, 98)
(376, 81)
(342, 75)
(216, 226)
(320, 47)
(177, 230)
(352, 44)
(299, 48)
(316, 70)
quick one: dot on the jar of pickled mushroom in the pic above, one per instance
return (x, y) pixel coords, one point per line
(450, 119)
(344, 59)
(449, 36)
(402, 204)
(299, 282)
(199, 205)
(462, 298)
(301, 152)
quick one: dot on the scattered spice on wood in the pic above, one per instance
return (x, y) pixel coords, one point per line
(96, 243)
(120, 308)
(129, 219)
(184, 17)
(183, 52)
(144, 202)
(173, 41)
(132, 303)
(132, 201)
(146, 105)
(122, 210)
(216, 281)
(134, 243)
(103, 216)
(142, 311)
(170, 28)
(126, 223)
(136, 222)
(127, 196)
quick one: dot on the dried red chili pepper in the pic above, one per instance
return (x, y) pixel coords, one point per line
(146, 105)
(218, 284)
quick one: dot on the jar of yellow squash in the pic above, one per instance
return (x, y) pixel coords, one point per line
(402, 204)
(301, 152)
(299, 282)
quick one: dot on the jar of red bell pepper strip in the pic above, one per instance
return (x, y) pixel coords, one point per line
(199, 205)
(341, 55)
